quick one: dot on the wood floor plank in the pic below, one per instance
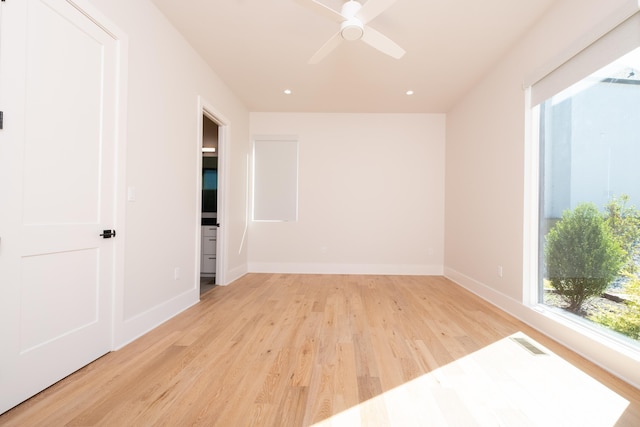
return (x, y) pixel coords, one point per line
(334, 350)
(345, 383)
(321, 391)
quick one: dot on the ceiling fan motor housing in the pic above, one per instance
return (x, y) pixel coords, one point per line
(351, 28)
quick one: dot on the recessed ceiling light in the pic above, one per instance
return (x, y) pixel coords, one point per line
(409, 92)
(287, 91)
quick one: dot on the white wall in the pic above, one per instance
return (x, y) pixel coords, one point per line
(371, 195)
(485, 177)
(165, 78)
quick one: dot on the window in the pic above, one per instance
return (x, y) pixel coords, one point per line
(589, 189)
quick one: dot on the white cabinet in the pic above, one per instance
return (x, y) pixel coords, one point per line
(208, 262)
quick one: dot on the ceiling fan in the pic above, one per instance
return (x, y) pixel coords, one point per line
(353, 19)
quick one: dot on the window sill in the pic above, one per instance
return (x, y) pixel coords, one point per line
(591, 331)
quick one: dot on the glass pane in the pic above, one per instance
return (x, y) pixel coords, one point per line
(589, 190)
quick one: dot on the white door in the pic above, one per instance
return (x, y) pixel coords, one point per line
(57, 193)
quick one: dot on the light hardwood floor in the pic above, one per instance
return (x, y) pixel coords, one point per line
(299, 350)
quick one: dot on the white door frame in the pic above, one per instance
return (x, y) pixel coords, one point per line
(206, 109)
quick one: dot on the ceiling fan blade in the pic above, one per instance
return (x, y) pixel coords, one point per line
(326, 48)
(321, 9)
(381, 42)
(373, 8)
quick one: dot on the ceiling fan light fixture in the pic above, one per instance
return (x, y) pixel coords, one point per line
(352, 29)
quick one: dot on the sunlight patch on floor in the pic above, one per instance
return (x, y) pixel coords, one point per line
(504, 384)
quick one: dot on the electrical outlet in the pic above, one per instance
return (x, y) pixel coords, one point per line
(499, 271)
(176, 273)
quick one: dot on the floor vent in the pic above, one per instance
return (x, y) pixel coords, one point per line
(527, 344)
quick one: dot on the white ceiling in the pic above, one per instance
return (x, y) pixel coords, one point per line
(261, 47)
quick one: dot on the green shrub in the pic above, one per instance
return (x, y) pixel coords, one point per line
(626, 317)
(582, 256)
(624, 222)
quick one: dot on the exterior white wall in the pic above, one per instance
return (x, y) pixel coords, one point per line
(371, 195)
(485, 179)
(165, 79)
(595, 160)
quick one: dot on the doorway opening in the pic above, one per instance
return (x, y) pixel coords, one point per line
(211, 169)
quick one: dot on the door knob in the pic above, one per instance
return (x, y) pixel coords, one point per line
(107, 234)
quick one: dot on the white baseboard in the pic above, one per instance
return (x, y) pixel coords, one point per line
(130, 329)
(613, 356)
(321, 268)
(234, 274)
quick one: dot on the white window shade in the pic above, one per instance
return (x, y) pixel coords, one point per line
(613, 44)
(275, 180)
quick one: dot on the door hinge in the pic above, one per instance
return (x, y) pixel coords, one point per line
(2, 116)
